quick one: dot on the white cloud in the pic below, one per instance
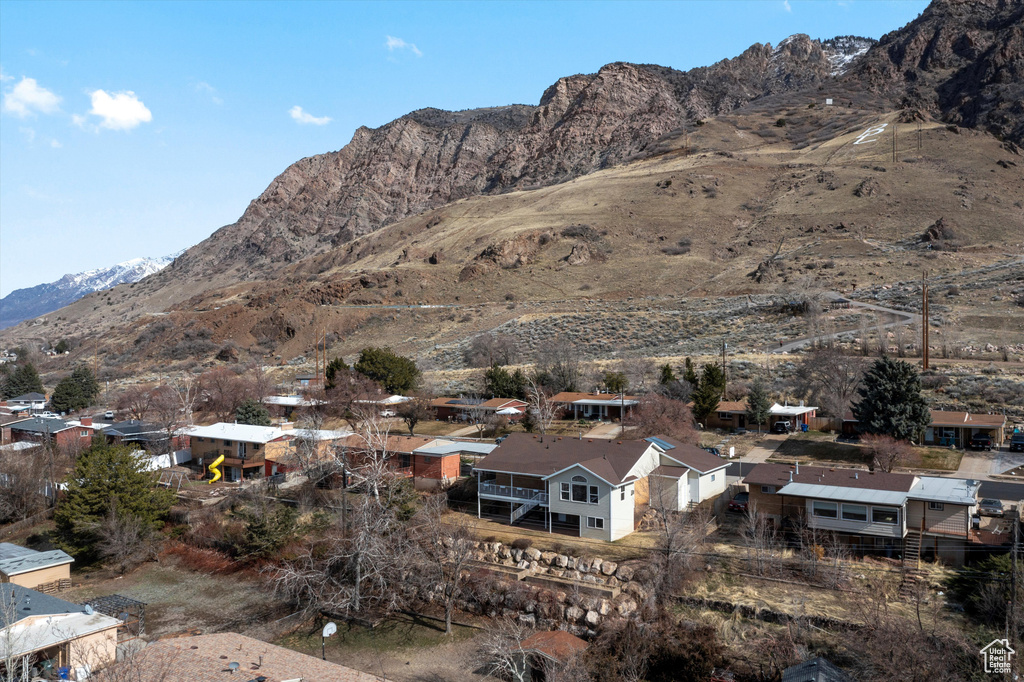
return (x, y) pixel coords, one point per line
(394, 43)
(56, 144)
(78, 120)
(119, 111)
(4, 77)
(304, 117)
(28, 97)
(206, 88)
(786, 6)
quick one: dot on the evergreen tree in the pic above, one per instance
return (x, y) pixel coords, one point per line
(890, 402)
(24, 379)
(252, 412)
(397, 374)
(690, 373)
(501, 383)
(75, 392)
(615, 382)
(708, 391)
(667, 376)
(62, 346)
(333, 368)
(107, 477)
(758, 403)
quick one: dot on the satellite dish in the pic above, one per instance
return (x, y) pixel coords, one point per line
(330, 629)
(233, 666)
(88, 610)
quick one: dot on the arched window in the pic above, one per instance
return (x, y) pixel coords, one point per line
(579, 489)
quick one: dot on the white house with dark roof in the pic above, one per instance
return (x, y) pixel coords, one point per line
(593, 488)
(28, 402)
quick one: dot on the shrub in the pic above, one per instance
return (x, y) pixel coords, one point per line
(780, 123)
(522, 543)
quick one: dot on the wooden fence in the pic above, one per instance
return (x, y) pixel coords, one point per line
(825, 424)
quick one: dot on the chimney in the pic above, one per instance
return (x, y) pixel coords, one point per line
(797, 467)
(86, 421)
(790, 476)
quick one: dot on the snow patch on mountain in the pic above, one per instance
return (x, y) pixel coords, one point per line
(843, 51)
(25, 304)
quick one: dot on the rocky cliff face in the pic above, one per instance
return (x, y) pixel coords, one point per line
(430, 157)
(962, 60)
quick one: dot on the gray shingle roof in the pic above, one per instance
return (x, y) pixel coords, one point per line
(28, 397)
(31, 603)
(41, 425)
(815, 670)
(523, 453)
(15, 560)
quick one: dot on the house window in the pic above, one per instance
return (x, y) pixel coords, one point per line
(594, 494)
(855, 512)
(595, 522)
(768, 489)
(563, 493)
(579, 489)
(712, 477)
(888, 515)
(255, 446)
(83, 433)
(622, 493)
(724, 416)
(828, 510)
(227, 442)
(935, 506)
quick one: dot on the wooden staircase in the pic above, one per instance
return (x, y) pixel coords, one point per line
(912, 573)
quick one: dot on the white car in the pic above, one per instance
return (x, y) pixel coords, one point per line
(109, 414)
(388, 413)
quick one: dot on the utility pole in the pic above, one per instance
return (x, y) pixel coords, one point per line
(924, 319)
(725, 371)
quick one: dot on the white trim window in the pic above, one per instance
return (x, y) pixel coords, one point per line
(826, 510)
(579, 489)
(712, 478)
(595, 522)
(890, 515)
(622, 493)
(768, 489)
(595, 494)
(936, 506)
(855, 512)
(563, 493)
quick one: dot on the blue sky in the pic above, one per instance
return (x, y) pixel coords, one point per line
(137, 129)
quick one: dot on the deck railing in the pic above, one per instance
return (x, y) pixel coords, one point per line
(513, 492)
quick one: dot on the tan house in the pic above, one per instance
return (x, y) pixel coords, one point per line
(731, 414)
(44, 571)
(243, 446)
(907, 515)
(956, 428)
(573, 405)
(44, 634)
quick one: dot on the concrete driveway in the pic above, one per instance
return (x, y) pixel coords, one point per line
(766, 448)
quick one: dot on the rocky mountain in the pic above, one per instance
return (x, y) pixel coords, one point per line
(24, 304)
(430, 157)
(961, 60)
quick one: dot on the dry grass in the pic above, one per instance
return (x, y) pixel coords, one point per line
(815, 447)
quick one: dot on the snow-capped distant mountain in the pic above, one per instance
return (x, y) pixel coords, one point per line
(24, 304)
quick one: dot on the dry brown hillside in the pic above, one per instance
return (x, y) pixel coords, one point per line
(661, 256)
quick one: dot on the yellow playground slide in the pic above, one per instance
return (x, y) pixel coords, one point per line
(214, 470)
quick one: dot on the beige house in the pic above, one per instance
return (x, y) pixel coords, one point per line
(40, 634)
(904, 515)
(44, 571)
(244, 447)
(956, 428)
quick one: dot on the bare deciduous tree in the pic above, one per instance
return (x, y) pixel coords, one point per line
(124, 540)
(887, 453)
(23, 478)
(540, 406)
(657, 414)
(490, 348)
(445, 545)
(136, 401)
(761, 539)
(501, 650)
(830, 379)
(189, 389)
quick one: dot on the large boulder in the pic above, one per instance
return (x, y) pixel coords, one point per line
(609, 567)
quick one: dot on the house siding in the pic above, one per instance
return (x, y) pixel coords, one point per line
(603, 508)
(32, 579)
(952, 519)
(840, 525)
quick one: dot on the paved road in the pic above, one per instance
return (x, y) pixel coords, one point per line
(1001, 490)
(901, 317)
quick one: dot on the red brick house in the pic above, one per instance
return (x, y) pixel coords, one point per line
(46, 430)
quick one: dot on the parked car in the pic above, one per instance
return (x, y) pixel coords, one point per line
(388, 413)
(714, 451)
(1017, 442)
(109, 414)
(981, 441)
(782, 427)
(740, 502)
(990, 507)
